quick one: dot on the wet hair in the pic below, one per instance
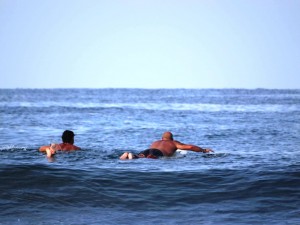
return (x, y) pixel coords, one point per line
(167, 135)
(68, 136)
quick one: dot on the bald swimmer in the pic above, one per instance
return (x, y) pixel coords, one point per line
(164, 147)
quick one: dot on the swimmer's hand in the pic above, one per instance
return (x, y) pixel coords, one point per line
(207, 150)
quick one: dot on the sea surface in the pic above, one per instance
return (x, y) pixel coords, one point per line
(253, 177)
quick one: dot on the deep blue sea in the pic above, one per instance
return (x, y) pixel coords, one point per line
(252, 178)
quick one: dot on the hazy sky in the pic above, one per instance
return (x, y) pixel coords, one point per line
(150, 43)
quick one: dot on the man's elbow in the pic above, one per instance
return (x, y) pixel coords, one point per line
(43, 148)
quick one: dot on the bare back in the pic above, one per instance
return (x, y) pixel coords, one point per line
(167, 147)
(62, 146)
(68, 147)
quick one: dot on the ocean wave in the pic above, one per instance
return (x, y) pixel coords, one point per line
(200, 107)
(12, 148)
(36, 184)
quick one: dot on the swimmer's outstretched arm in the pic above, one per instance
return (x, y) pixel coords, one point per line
(50, 150)
(44, 148)
(193, 148)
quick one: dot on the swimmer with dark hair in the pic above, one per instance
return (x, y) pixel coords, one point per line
(66, 145)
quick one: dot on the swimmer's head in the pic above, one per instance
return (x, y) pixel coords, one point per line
(167, 136)
(68, 136)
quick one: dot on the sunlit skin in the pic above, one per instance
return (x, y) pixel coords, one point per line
(51, 149)
(66, 145)
(168, 147)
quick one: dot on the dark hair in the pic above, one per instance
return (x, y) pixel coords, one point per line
(68, 136)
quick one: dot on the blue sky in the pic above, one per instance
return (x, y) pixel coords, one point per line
(149, 44)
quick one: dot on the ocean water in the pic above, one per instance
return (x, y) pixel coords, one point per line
(253, 177)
